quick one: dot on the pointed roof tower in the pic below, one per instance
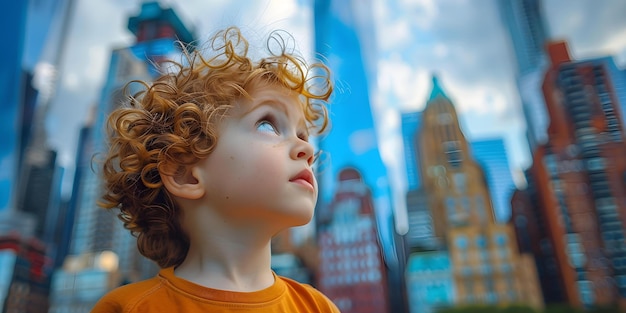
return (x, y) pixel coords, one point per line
(437, 91)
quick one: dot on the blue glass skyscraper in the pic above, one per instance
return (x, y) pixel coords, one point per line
(352, 140)
(96, 231)
(411, 123)
(524, 22)
(13, 25)
(491, 155)
(344, 39)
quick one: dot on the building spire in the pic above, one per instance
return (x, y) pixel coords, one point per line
(437, 91)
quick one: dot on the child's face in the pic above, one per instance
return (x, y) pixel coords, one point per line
(260, 170)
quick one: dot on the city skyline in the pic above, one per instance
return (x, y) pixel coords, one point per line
(416, 38)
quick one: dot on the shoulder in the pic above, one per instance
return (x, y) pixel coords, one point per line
(309, 296)
(123, 298)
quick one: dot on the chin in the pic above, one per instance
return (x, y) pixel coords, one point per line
(302, 219)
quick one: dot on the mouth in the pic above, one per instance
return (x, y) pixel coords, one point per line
(305, 177)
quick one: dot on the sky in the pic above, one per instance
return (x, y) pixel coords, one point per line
(463, 42)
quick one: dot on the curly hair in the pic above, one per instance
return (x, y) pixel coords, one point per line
(173, 120)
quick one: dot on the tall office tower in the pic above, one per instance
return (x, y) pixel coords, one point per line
(411, 123)
(24, 271)
(580, 177)
(39, 173)
(13, 30)
(491, 156)
(104, 254)
(420, 235)
(483, 253)
(344, 38)
(352, 271)
(524, 22)
(85, 151)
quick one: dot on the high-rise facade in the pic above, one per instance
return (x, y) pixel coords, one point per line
(579, 178)
(102, 252)
(492, 157)
(352, 271)
(411, 122)
(13, 27)
(485, 264)
(345, 40)
(524, 22)
(27, 193)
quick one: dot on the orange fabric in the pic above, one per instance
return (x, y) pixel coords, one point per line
(168, 293)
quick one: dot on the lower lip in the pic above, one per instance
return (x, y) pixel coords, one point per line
(304, 183)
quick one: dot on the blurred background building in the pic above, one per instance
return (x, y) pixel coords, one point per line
(578, 181)
(479, 259)
(344, 38)
(103, 255)
(29, 174)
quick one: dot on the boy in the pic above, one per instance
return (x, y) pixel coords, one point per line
(206, 165)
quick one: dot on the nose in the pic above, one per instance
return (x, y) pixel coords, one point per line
(302, 150)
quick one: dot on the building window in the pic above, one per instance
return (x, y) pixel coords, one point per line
(461, 242)
(500, 239)
(481, 242)
(480, 207)
(453, 153)
(444, 118)
(574, 250)
(585, 287)
(459, 182)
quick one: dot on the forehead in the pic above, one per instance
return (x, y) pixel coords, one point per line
(271, 94)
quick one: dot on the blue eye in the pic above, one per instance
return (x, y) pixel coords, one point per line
(266, 126)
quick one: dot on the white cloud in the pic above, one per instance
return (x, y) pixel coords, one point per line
(423, 12)
(406, 84)
(394, 34)
(440, 50)
(362, 141)
(481, 100)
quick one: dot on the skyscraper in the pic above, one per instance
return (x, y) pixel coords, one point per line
(411, 123)
(11, 85)
(102, 251)
(344, 39)
(579, 176)
(24, 272)
(524, 21)
(491, 156)
(483, 253)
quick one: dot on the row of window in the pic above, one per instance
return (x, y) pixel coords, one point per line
(371, 276)
(351, 252)
(350, 265)
(499, 239)
(485, 269)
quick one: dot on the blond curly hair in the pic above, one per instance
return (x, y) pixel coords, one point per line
(173, 121)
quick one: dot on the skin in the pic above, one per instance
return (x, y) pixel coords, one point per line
(257, 182)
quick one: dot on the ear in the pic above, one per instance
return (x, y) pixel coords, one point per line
(184, 182)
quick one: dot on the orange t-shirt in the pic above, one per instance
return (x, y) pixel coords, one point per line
(169, 293)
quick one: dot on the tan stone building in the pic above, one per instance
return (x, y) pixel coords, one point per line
(487, 267)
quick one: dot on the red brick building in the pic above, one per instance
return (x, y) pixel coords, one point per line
(352, 271)
(579, 178)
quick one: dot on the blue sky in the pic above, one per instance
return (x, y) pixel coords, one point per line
(462, 41)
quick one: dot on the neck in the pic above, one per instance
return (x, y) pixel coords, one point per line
(225, 257)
